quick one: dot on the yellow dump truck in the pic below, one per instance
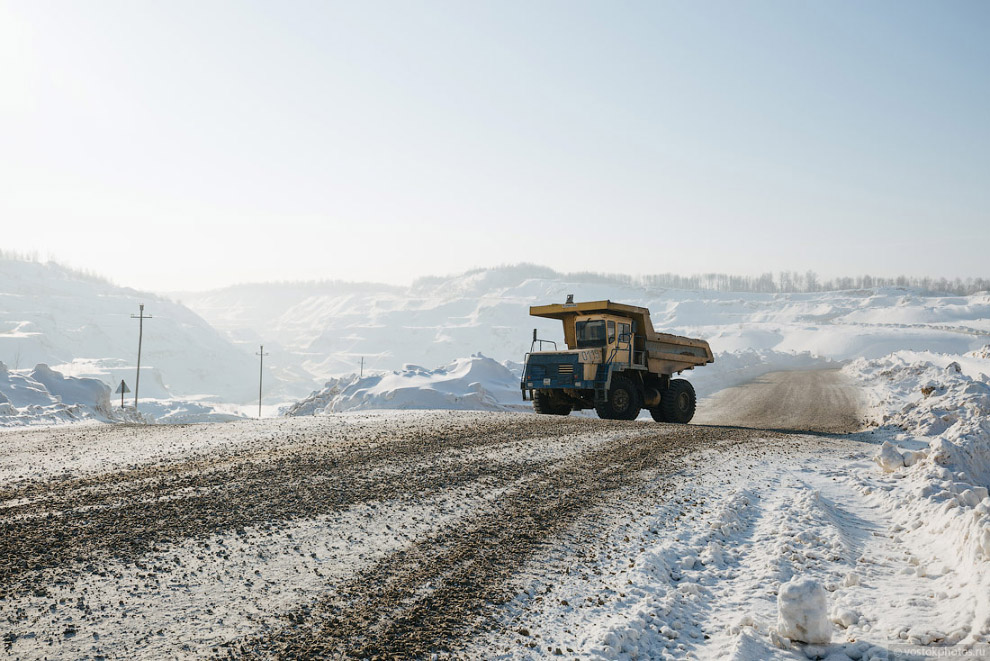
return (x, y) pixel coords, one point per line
(615, 363)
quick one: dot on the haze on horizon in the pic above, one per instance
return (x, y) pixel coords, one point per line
(184, 145)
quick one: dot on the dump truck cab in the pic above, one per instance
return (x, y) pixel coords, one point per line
(615, 362)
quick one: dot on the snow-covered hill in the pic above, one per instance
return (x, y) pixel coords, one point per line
(81, 326)
(326, 328)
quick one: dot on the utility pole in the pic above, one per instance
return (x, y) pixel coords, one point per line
(261, 375)
(362, 368)
(137, 381)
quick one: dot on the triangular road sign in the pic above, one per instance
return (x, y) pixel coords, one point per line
(122, 388)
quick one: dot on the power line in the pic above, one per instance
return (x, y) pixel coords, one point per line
(137, 380)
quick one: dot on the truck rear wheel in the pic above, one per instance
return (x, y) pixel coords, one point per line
(544, 405)
(623, 402)
(677, 403)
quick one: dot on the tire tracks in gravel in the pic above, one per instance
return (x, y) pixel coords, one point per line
(72, 525)
(427, 597)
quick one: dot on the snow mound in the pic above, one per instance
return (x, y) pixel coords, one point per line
(981, 353)
(92, 393)
(475, 383)
(803, 609)
(46, 397)
(942, 401)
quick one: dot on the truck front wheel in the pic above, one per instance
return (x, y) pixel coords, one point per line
(677, 403)
(623, 401)
(544, 405)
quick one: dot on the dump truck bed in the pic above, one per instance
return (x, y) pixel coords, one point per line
(665, 353)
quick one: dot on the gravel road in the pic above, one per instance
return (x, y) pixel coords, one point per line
(355, 536)
(805, 401)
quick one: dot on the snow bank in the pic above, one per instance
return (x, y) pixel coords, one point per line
(936, 408)
(46, 396)
(88, 392)
(941, 400)
(475, 383)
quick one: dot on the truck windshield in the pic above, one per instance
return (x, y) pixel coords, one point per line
(590, 334)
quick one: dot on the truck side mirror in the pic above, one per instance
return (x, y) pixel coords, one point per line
(534, 335)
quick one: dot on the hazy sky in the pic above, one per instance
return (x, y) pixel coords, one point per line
(177, 145)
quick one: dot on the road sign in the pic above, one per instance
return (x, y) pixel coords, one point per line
(121, 389)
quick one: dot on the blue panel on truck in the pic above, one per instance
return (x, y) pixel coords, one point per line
(552, 370)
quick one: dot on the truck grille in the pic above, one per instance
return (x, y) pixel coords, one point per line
(565, 369)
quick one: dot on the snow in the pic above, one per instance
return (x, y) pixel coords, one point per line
(317, 333)
(889, 458)
(327, 327)
(700, 572)
(475, 383)
(803, 612)
(82, 326)
(892, 525)
(854, 547)
(47, 397)
(937, 407)
(181, 609)
(89, 392)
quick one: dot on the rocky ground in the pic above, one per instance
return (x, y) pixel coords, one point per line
(468, 498)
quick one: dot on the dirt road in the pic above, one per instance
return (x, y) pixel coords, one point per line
(353, 536)
(807, 401)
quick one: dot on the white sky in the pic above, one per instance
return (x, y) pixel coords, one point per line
(188, 145)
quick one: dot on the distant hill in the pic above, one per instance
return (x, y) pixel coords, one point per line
(325, 328)
(80, 325)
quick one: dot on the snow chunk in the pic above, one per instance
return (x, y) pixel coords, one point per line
(889, 458)
(845, 617)
(803, 611)
(911, 457)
